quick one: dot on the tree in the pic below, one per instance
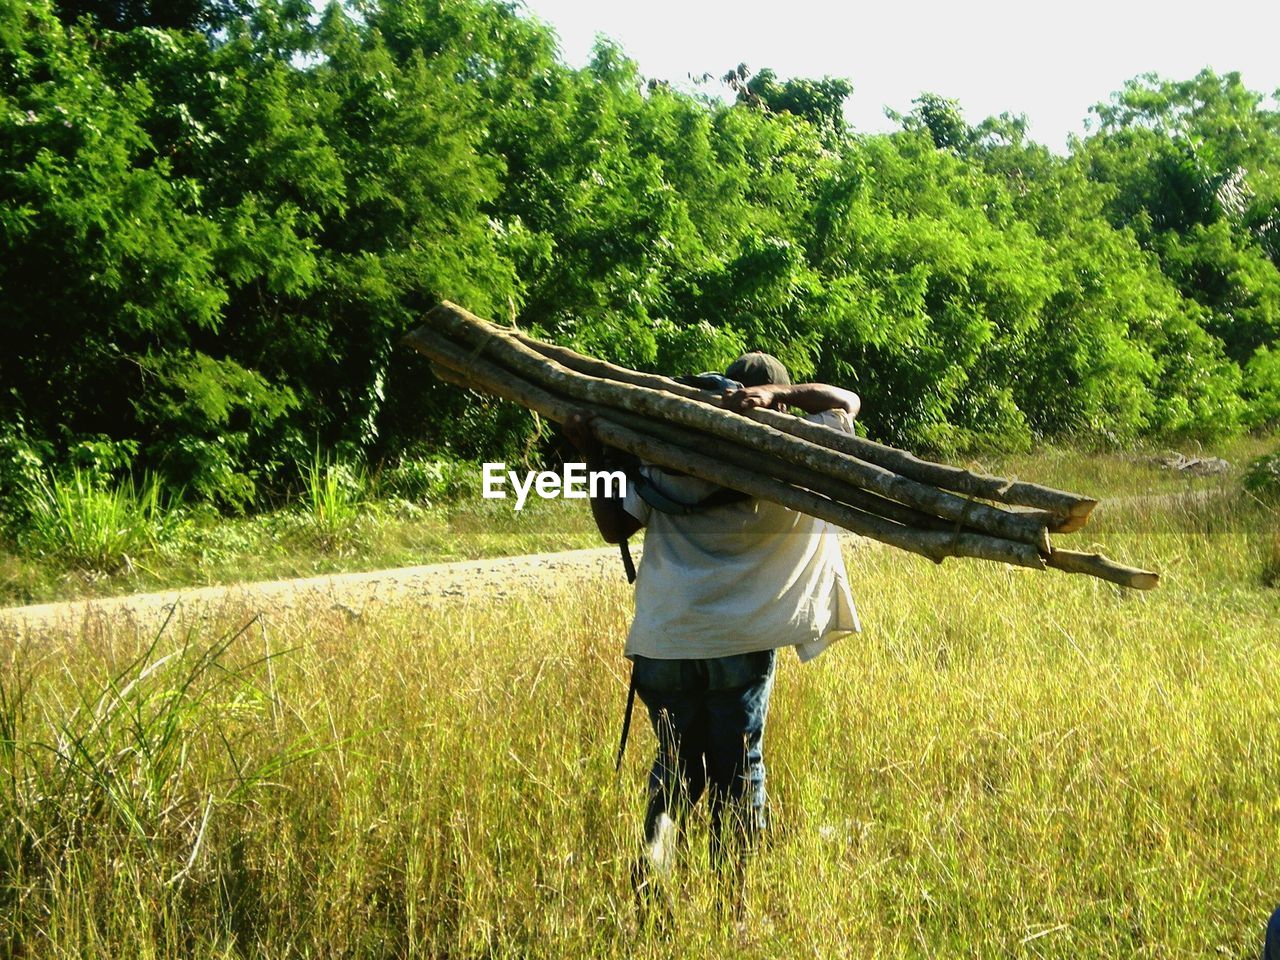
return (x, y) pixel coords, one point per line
(940, 118)
(1195, 167)
(246, 216)
(821, 102)
(159, 14)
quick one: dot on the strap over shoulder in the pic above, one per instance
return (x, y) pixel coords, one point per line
(654, 497)
(651, 494)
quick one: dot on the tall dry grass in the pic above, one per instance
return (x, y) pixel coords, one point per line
(1004, 764)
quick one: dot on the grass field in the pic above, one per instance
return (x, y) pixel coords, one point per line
(1004, 764)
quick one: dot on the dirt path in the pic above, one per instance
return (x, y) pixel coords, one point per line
(353, 592)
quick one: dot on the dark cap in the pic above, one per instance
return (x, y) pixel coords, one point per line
(757, 369)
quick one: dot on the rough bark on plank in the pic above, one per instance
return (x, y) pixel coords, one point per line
(935, 544)
(1096, 565)
(783, 470)
(735, 456)
(464, 326)
(1068, 511)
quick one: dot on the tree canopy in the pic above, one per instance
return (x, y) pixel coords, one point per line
(217, 218)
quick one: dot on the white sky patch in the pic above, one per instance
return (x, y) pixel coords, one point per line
(1049, 61)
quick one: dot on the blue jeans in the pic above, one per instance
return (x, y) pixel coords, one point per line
(1271, 951)
(709, 718)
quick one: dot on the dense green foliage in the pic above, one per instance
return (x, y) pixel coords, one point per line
(216, 219)
(1262, 477)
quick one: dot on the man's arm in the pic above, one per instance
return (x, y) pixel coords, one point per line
(809, 397)
(614, 523)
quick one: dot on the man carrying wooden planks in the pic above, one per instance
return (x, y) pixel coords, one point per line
(725, 581)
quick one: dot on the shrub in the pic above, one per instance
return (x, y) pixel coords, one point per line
(1262, 387)
(83, 522)
(428, 480)
(1262, 477)
(22, 464)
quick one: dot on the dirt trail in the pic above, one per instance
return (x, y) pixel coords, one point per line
(425, 585)
(352, 592)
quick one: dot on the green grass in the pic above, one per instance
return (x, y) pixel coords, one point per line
(1004, 764)
(79, 523)
(333, 494)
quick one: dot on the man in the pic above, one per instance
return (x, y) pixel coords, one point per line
(719, 590)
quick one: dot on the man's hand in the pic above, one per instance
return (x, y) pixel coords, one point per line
(580, 430)
(753, 398)
(809, 397)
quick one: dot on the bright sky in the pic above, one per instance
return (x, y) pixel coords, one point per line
(1050, 61)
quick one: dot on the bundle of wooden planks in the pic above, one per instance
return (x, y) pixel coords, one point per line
(866, 487)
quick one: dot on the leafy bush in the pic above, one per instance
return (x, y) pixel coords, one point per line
(1262, 385)
(1262, 477)
(101, 456)
(85, 523)
(22, 464)
(429, 481)
(213, 420)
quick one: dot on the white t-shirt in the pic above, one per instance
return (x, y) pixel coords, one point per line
(737, 578)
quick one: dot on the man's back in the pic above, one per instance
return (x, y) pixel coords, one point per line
(738, 578)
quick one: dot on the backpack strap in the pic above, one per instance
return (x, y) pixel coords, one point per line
(659, 501)
(626, 718)
(628, 564)
(655, 498)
